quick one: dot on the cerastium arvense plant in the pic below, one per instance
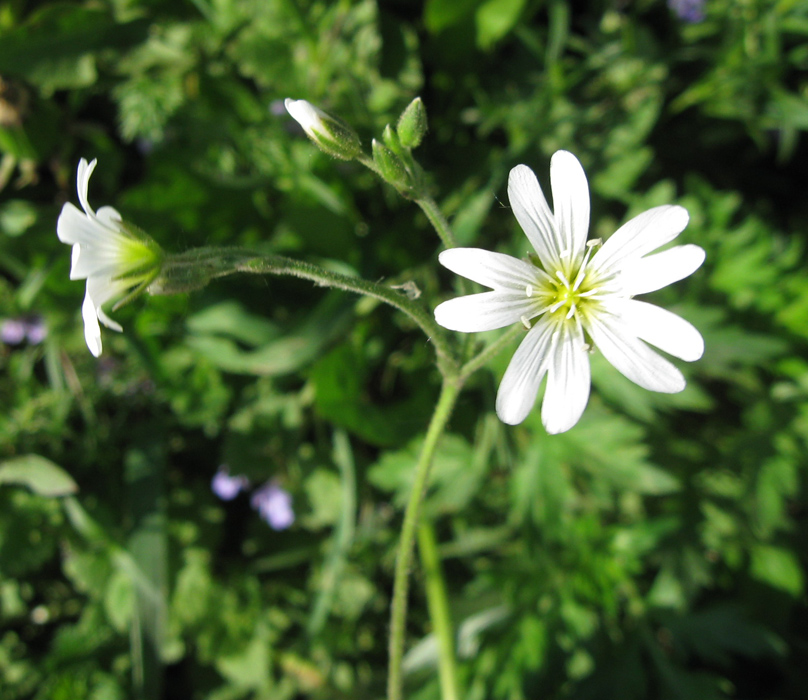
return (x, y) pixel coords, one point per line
(567, 298)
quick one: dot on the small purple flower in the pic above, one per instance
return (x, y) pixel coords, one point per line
(12, 331)
(36, 330)
(690, 11)
(274, 505)
(228, 487)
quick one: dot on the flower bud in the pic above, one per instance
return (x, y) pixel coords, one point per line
(391, 140)
(412, 124)
(332, 135)
(390, 167)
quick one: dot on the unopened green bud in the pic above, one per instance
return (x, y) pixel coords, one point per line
(412, 124)
(391, 140)
(332, 135)
(390, 166)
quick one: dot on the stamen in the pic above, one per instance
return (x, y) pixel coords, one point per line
(525, 322)
(563, 278)
(572, 310)
(582, 270)
(594, 243)
(529, 290)
(555, 307)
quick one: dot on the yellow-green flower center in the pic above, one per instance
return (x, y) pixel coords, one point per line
(568, 294)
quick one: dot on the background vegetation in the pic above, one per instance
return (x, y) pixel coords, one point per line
(657, 550)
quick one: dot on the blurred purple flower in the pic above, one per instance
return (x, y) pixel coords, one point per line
(690, 11)
(14, 331)
(277, 108)
(228, 487)
(274, 505)
(36, 330)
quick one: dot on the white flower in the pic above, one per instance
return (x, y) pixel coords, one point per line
(112, 255)
(570, 298)
(332, 135)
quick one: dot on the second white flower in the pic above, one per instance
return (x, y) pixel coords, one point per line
(571, 295)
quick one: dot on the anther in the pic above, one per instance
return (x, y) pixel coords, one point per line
(529, 290)
(525, 322)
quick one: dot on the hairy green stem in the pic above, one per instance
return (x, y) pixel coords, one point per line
(438, 604)
(438, 220)
(195, 268)
(398, 615)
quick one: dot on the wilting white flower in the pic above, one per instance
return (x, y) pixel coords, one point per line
(114, 257)
(332, 135)
(573, 294)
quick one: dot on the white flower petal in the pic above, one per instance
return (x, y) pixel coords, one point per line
(484, 312)
(657, 271)
(110, 217)
(520, 385)
(661, 328)
(533, 214)
(568, 381)
(92, 331)
(101, 290)
(83, 183)
(75, 227)
(570, 204)
(494, 270)
(642, 234)
(94, 261)
(633, 358)
(305, 114)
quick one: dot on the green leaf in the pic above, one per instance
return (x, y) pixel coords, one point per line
(455, 476)
(17, 216)
(52, 48)
(440, 14)
(40, 475)
(495, 18)
(778, 568)
(230, 319)
(324, 492)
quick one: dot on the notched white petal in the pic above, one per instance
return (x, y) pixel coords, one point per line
(494, 270)
(483, 312)
(520, 385)
(533, 213)
(641, 235)
(85, 171)
(568, 381)
(570, 205)
(661, 328)
(657, 271)
(633, 358)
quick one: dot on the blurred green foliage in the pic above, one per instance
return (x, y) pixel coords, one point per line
(657, 550)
